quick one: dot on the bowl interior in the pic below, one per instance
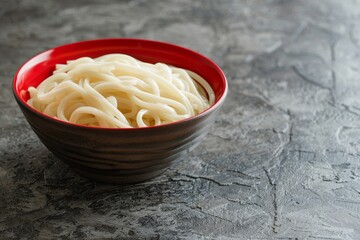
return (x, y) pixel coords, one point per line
(38, 68)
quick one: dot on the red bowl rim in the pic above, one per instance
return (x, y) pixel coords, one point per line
(69, 124)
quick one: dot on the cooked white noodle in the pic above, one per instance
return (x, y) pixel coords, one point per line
(119, 91)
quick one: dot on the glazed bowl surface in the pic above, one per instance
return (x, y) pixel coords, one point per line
(119, 155)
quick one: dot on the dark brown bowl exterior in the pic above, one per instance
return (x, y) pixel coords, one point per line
(125, 156)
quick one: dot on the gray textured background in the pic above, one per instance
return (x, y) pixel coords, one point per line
(282, 161)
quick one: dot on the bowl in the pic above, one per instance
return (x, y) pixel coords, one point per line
(119, 155)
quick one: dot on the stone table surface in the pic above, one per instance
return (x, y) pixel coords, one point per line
(281, 162)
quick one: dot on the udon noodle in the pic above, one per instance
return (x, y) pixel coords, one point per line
(119, 91)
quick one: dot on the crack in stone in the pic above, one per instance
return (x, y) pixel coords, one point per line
(333, 77)
(352, 37)
(274, 201)
(333, 73)
(306, 79)
(216, 182)
(209, 214)
(355, 190)
(263, 99)
(291, 126)
(312, 191)
(199, 209)
(348, 109)
(181, 180)
(243, 203)
(297, 33)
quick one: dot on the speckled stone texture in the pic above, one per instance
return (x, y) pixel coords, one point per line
(281, 162)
